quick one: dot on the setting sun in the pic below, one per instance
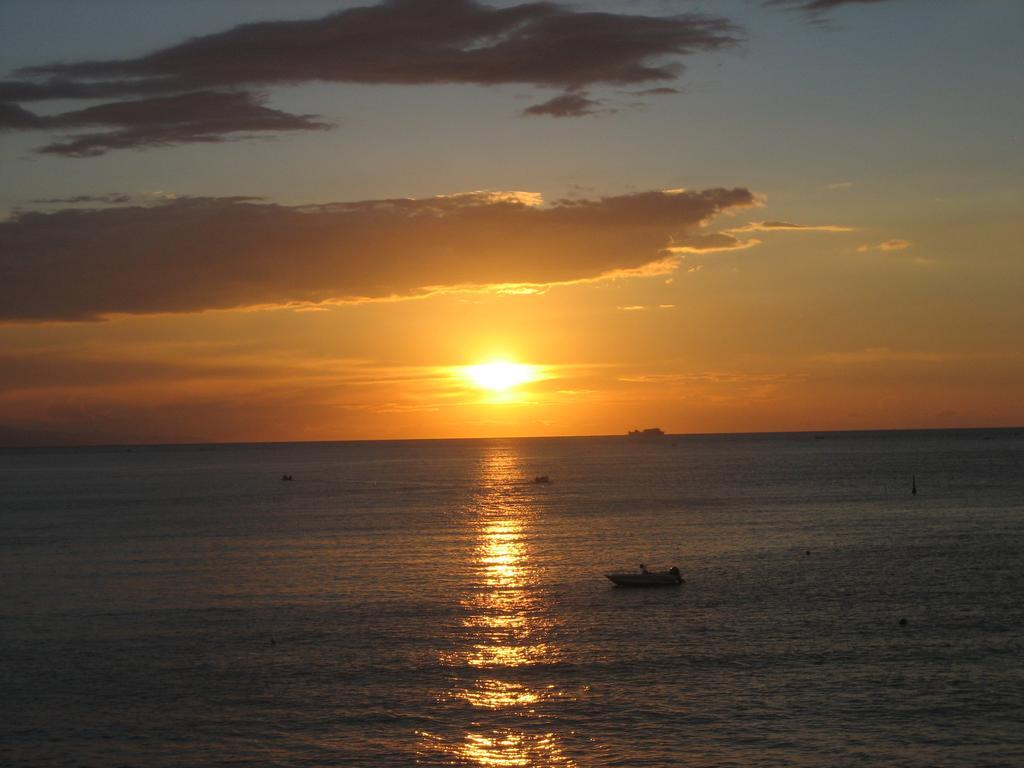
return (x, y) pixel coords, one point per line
(499, 376)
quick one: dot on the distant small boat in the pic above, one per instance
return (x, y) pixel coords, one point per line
(542, 479)
(286, 478)
(913, 485)
(645, 578)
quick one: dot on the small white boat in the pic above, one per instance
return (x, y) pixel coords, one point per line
(645, 578)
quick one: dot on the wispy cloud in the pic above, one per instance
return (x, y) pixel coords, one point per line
(877, 355)
(109, 198)
(711, 386)
(716, 242)
(726, 240)
(896, 244)
(819, 7)
(661, 91)
(565, 105)
(200, 116)
(657, 268)
(786, 226)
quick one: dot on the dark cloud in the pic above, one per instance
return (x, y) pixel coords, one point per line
(407, 42)
(417, 42)
(769, 225)
(817, 7)
(13, 117)
(110, 198)
(663, 91)
(63, 88)
(189, 117)
(566, 105)
(195, 254)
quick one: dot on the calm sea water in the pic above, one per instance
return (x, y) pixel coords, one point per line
(425, 603)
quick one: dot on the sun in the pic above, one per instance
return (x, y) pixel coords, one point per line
(500, 375)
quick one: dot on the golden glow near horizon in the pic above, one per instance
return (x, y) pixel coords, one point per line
(404, 293)
(500, 375)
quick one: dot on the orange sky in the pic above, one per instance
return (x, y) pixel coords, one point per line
(747, 253)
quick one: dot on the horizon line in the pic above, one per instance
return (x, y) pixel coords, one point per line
(623, 435)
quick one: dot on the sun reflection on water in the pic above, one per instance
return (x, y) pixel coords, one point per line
(505, 747)
(506, 629)
(495, 694)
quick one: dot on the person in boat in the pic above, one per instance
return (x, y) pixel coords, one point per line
(643, 568)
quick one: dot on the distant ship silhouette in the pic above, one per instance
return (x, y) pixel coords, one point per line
(646, 434)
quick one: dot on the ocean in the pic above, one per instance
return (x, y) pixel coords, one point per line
(425, 603)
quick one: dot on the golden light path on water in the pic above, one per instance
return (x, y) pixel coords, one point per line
(505, 628)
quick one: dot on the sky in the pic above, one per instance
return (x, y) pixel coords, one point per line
(243, 220)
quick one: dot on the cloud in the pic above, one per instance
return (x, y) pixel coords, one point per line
(895, 244)
(817, 7)
(110, 198)
(193, 254)
(726, 240)
(711, 387)
(62, 88)
(403, 42)
(13, 117)
(199, 116)
(715, 242)
(718, 377)
(662, 91)
(878, 355)
(566, 105)
(415, 42)
(658, 268)
(786, 226)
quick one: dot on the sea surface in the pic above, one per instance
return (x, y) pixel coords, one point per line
(428, 604)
